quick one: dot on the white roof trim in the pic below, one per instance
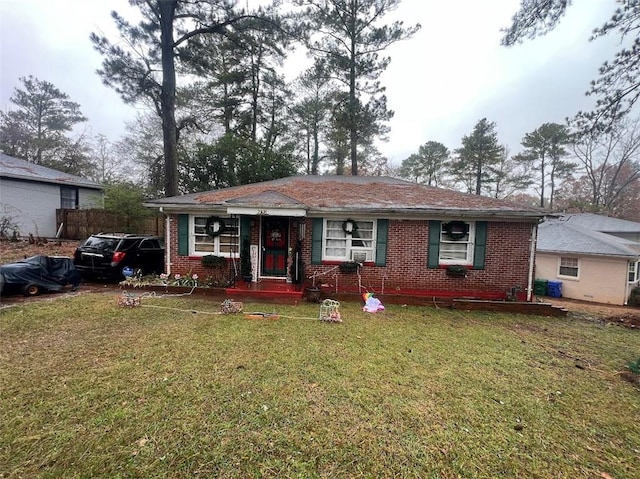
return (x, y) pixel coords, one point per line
(265, 211)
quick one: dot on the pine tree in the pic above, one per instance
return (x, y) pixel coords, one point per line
(350, 39)
(479, 153)
(37, 129)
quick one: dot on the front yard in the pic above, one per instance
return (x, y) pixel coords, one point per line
(169, 389)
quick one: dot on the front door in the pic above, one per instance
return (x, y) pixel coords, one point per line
(275, 243)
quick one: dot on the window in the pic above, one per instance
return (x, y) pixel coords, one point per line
(359, 245)
(456, 243)
(68, 198)
(224, 244)
(151, 243)
(568, 267)
(634, 271)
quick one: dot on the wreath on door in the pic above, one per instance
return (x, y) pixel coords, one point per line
(215, 226)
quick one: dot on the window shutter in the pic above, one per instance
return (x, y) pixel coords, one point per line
(183, 235)
(316, 241)
(433, 255)
(245, 229)
(381, 242)
(480, 245)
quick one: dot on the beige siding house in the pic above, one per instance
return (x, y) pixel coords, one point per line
(596, 258)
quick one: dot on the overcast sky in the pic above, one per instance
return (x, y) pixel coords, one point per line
(452, 73)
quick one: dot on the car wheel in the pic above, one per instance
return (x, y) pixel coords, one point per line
(31, 290)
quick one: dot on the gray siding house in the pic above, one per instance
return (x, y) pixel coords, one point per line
(30, 194)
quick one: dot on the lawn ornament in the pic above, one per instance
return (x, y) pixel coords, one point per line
(329, 311)
(371, 304)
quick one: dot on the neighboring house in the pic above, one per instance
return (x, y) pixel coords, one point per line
(30, 195)
(404, 234)
(596, 258)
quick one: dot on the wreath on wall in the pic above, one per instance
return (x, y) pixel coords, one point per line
(345, 226)
(456, 230)
(215, 226)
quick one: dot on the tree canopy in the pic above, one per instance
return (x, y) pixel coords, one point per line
(427, 165)
(145, 67)
(479, 153)
(350, 38)
(38, 129)
(546, 149)
(617, 87)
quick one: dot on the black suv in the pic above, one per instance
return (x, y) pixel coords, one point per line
(116, 256)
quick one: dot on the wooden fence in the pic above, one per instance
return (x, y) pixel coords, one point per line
(79, 224)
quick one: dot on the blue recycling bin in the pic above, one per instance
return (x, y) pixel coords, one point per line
(554, 289)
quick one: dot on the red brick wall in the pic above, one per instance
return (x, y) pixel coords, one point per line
(193, 264)
(506, 263)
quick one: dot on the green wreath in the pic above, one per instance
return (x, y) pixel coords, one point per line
(456, 230)
(209, 227)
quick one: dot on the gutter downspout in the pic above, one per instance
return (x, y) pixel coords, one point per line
(532, 258)
(167, 242)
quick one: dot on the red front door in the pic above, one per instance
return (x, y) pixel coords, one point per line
(275, 243)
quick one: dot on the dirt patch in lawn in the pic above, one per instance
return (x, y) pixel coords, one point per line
(630, 320)
(626, 316)
(11, 251)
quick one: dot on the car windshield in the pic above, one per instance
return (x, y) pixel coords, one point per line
(104, 244)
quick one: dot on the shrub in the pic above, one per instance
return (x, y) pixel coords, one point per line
(634, 297)
(348, 267)
(213, 261)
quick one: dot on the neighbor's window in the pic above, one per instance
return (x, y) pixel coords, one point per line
(568, 267)
(68, 198)
(634, 271)
(456, 242)
(224, 244)
(339, 245)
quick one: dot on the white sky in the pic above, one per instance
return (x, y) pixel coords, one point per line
(452, 73)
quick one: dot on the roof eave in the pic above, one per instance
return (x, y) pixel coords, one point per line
(586, 253)
(380, 212)
(431, 212)
(34, 179)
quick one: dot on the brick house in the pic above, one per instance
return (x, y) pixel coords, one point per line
(406, 238)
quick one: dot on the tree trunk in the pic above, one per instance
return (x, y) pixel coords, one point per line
(542, 168)
(168, 97)
(316, 145)
(353, 124)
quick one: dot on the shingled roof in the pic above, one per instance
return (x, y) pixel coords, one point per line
(604, 224)
(16, 168)
(587, 234)
(357, 194)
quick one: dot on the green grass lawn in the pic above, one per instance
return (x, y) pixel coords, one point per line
(89, 389)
